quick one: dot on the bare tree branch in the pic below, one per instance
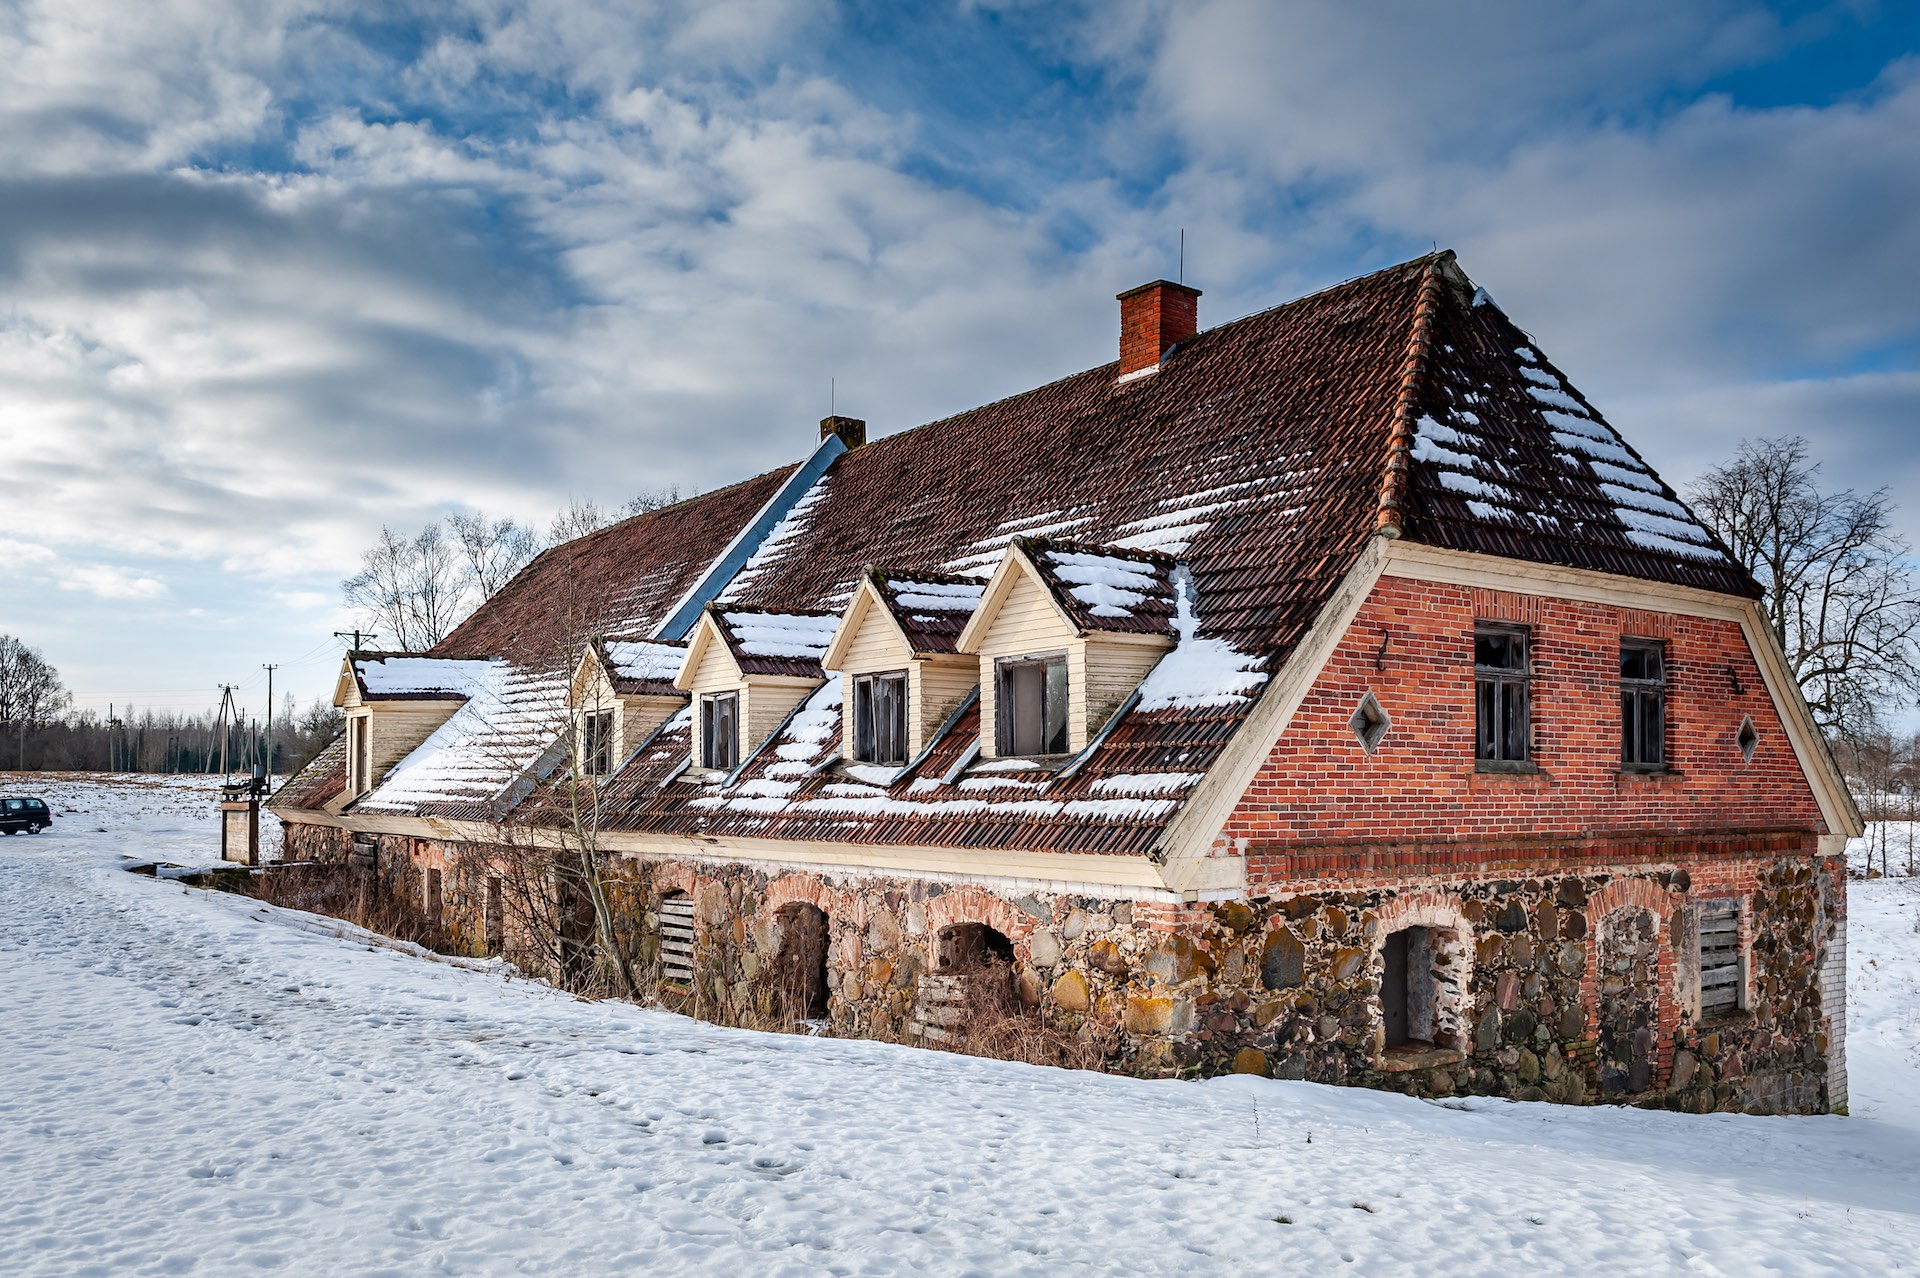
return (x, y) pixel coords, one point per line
(1841, 596)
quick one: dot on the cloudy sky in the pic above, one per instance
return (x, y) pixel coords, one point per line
(274, 273)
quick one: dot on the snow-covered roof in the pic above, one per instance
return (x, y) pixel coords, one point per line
(397, 676)
(502, 738)
(1260, 461)
(642, 665)
(930, 608)
(1107, 587)
(764, 641)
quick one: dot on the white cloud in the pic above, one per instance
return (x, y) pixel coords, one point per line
(108, 582)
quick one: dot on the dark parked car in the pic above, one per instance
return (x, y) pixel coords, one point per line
(30, 815)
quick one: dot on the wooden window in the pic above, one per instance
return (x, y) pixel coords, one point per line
(880, 718)
(359, 755)
(1500, 676)
(1721, 965)
(436, 896)
(1031, 705)
(596, 743)
(1643, 705)
(676, 938)
(720, 731)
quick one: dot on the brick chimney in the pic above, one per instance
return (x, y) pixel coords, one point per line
(851, 430)
(1152, 318)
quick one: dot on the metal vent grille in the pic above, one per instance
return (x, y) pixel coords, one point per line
(1719, 961)
(676, 938)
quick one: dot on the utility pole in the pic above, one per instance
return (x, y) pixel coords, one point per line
(354, 634)
(226, 704)
(270, 670)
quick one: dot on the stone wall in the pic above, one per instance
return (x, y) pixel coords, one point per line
(1570, 986)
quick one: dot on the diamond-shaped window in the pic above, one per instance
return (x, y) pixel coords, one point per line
(1748, 738)
(1369, 723)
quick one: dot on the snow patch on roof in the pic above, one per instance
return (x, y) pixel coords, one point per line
(792, 527)
(512, 719)
(1147, 782)
(1198, 672)
(781, 634)
(1108, 585)
(936, 596)
(420, 676)
(645, 659)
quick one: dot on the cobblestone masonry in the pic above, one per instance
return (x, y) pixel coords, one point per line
(1288, 984)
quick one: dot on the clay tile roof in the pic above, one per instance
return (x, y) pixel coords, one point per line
(1114, 588)
(768, 642)
(1262, 455)
(623, 579)
(931, 608)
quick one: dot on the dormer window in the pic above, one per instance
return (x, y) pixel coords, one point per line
(720, 731)
(1030, 705)
(596, 743)
(880, 717)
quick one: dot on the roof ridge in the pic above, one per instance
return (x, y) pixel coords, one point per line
(1413, 368)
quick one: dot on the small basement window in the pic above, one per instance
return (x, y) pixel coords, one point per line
(1030, 712)
(880, 718)
(720, 731)
(1722, 968)
(1643, 705)
(596, 743)
(676, 938)
(1500, 675)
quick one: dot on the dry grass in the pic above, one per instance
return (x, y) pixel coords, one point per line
(997, 1025)
(357, 896)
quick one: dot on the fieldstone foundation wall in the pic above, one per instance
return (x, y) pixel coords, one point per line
(1573, 987)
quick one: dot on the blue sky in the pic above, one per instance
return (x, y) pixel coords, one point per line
(273, 274)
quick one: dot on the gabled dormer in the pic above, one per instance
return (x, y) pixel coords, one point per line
(1062, 636)
(622, 690)
(393, 702)
(896, 652)
(746, 670)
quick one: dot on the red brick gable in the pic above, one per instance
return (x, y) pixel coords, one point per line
(1320, 788)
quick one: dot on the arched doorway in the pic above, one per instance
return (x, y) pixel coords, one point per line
(800, 966)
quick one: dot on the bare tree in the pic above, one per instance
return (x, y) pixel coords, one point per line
(579, 517)
(583, 516)
(650, 499)
(1840, 596)
(491, 550)
(409, 589)
(31, 694)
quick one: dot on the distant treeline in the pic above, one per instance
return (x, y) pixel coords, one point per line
(169, 741)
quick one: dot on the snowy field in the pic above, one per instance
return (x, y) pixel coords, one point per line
(195, 1084)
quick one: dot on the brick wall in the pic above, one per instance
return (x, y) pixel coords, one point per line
(1321, 795)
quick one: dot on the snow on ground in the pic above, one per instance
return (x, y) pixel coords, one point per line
(197, 1084)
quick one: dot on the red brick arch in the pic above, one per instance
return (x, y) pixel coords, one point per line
(803, 889)
(973, 905)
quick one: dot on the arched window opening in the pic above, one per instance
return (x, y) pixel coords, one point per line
(800, 966)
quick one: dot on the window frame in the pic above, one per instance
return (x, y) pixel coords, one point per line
(596, 743)
(1638, 694)
(359, 754)
(1494, 687)
(1005, 670)
(1724, 912)
(869, 739)
(709, 703)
